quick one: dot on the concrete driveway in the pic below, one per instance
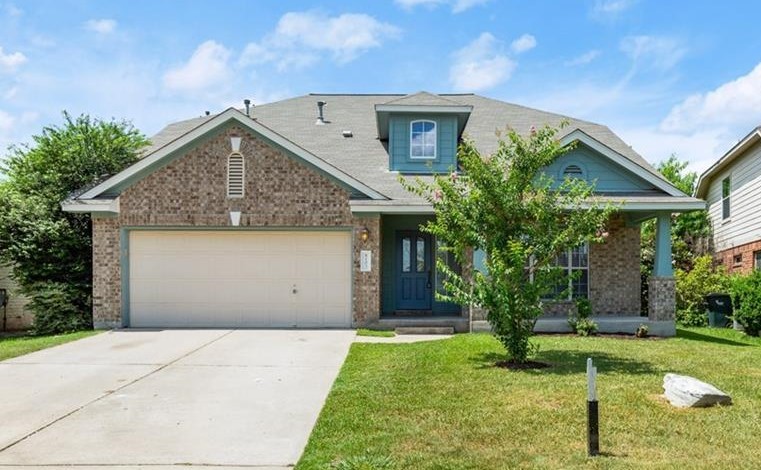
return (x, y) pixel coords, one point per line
(167, 397)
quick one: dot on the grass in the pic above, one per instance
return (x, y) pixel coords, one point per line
(376, 333)
(443, 405)
(13, 346)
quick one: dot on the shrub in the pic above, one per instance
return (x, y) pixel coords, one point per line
(692, 287)
(586, 327)
(58, 308)
(746, 299)
(642, 331)
(580, 322)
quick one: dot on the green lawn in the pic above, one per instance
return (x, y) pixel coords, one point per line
(442, 405)
(375, 333)
(12, 346)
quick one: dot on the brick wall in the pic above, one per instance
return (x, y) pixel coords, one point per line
(18, 317)
(746, 252)
(614, 275)
(191, 191)
(614, 270)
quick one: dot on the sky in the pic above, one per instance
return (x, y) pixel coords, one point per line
(681, 77)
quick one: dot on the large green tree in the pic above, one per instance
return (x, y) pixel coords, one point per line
(690, 231)
(50, 251)
(505, 205)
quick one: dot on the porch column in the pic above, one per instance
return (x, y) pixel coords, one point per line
(662, 285)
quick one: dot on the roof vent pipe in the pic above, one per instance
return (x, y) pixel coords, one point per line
(247, 102)
(321, 114)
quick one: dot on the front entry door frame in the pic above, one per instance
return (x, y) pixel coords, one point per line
(414, 270)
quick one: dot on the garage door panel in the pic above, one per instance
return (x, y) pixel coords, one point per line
(231, 279)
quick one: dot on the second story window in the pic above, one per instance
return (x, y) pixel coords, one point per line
(423, 139)
(725, 189)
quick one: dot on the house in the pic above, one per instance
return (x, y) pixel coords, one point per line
(732, 188)
(17, 316)
(291, 214)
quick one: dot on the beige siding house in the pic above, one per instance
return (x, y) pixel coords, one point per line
(17, 316)
(732, 188)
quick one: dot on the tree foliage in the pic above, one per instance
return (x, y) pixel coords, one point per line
(690, 231)
(50, 251)
(521, 218)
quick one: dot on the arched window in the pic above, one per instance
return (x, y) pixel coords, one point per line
(573, 171)
(423, 139)
(235, 173)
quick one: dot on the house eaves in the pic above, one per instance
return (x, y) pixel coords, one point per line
(739, 148)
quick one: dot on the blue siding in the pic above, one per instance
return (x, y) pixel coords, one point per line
(399, 144)
(609, 177)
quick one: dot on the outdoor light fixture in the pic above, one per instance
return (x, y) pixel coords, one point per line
(364, 235)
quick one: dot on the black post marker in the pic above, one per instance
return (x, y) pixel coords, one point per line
(593, 415)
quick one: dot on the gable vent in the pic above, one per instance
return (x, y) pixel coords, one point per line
(235, 171)
(573, 171)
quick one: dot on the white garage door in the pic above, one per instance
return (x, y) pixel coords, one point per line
(239, 279)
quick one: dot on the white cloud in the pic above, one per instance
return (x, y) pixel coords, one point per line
(659, 51)
(11, 61)
(480, 65)
(300, 37)
(700, 149)
(10, 93)
(604, 9)
(523, 44)
(6, 122)
(458, 6)
(13, 11)
(101, 26)
(583, 59)
(461, 5)
(207, 67)
(734, 105)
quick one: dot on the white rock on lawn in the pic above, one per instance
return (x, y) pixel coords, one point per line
(684, 391)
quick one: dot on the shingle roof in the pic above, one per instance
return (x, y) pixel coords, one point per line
(423, 98)
(365, 157)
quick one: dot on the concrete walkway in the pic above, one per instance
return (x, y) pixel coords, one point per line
(167, 397)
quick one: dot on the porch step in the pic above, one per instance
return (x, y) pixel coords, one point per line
(424, 330)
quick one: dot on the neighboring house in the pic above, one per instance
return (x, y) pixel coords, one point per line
(18, 317)
(732, 188)
(291, 217)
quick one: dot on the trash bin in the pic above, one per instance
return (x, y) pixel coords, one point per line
(719, 309)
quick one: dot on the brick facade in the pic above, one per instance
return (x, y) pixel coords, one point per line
(662, 298)
(614, 270)
(191, 191)
(614, 275)
(747, 254)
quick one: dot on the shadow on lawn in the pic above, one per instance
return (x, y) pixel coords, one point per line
(573, 362)
(691, 335)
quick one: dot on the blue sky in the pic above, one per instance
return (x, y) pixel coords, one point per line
(669, 77)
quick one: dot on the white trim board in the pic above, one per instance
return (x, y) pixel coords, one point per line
(581, 136)
(738, 149)
(231, 114)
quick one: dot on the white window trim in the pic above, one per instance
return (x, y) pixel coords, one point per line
(435, 140)
(726, 199)
(243, 176)
(569, 270)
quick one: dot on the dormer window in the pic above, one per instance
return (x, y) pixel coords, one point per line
(423, 139)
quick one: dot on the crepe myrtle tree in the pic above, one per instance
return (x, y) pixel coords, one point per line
(521, 218)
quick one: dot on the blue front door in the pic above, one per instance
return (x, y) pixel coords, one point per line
(413, 270)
